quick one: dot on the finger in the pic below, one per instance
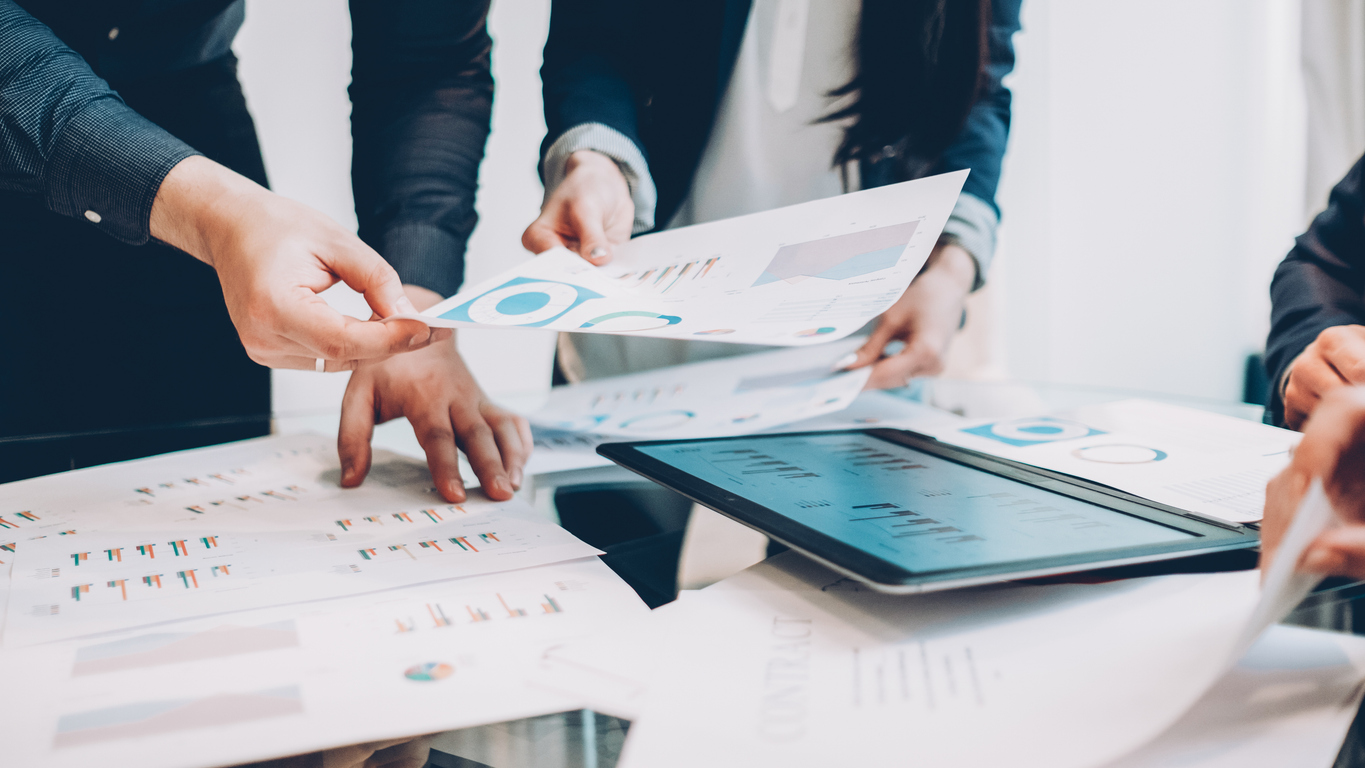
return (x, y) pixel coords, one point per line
(514, 450)
(1338, 552)
(1337, 423)
(871, 351)
(289, 362)
(917, 359)
(437, 438)
(589, 226)
(324, 332)
(541, 236)
(481, 448)
(1310, 377)
(1343, 347)
(366, 272)
(356, 430)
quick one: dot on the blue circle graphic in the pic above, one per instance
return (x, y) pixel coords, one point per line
(1041, 429)
(522, 303)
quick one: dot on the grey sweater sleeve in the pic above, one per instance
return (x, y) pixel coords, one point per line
(613, 144)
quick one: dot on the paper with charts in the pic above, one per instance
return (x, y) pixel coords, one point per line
(792, 276)
(716, 398)
(249, 526)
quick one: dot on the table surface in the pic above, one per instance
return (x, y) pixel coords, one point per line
(585, 739)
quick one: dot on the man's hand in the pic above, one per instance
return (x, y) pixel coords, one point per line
(925, 318)
(590, 212)
(1336, 358)
(273, 257)
(434, 389)
(1333, 448)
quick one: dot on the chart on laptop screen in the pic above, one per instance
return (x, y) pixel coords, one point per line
(919, 511)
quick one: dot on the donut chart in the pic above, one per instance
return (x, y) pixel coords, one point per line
(1033, 431)
(431, 670)
(1120, 453)
(659, 421)
(809, 332)
(631, 320)
(522, 302)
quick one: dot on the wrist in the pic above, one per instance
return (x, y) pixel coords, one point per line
(591, 159)
(197, 202)
(953, 263)
(422, 298)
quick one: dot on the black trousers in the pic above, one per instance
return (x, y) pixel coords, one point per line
(111, 352)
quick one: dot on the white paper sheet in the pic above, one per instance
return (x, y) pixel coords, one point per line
(794, 276)
(716, 398)
(1202, 462)
(282, 681)
(247, 526)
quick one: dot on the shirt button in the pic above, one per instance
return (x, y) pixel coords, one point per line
(113, 33)
(93, 217)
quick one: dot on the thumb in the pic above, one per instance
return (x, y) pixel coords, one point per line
(593, 244)
(541, 236)
(368, 274)
(871, 351)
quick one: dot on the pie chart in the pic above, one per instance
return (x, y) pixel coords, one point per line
(631, 320)
(1119, 454)
(431, 670)
(815, 332)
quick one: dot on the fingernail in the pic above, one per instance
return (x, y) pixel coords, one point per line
(456, 490)
(420, 340)
(516, 479)
(845, 361)
(405, 306)
(347, 472)
(598, 253)
(1318, 560)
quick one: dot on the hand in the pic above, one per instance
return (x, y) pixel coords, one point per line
(590, 212)
(394, 753)
(434, 389)
(925, 318)
(1333, 448)
(1336, 358)
(273, 257)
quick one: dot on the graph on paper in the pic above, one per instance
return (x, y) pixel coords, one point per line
(158, 649)
(161, 717)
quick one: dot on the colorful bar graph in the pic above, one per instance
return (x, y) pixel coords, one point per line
(195, 481)
(463, 543)
(7, 524)
(71, 532)
(146, 549)
(115, 554)
(196, 509)
(345, 525)
(294, 489)
(551, 605)
(121, 584)
(433, 515)
(188, 579)
(711, 262)
(430, 545)
(250, 498)
(146, 492)
(372, 520)
(408, 627)
(29, 516)
(280, 496)
(368, 554)
(402, 516)
(179, 548)
(511, 612)
(438, 616)
(209, 542)
(476, 614)
(7, 547)
(402, 548)
(152, 581)
(78, 590)
(79, 557)
(220, 570)
(487, 537)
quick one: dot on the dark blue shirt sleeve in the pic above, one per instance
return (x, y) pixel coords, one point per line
(422, 99)
(981, 144)
(69, 138)
(1321, 283)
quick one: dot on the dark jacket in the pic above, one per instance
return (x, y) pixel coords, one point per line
(1321, 283)
(656, 71)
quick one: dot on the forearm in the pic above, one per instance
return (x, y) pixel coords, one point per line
(195, 203)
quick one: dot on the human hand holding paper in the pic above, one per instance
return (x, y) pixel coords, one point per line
(590, 212)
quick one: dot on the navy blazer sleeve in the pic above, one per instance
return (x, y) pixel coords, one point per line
(422, 95)
(1321, 283)
(981, 145)
(67, 137)
(582, 78)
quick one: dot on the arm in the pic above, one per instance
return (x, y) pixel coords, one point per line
(66, 136)
(1317, 306)
(422, 95)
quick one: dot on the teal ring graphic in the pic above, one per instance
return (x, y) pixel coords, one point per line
(668, 319)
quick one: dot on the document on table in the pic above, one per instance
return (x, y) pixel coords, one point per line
(295, 679)
(1202, 462)
(716, 398)
(799, 275)
(268, 527)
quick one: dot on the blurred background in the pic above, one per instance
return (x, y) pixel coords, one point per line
(1162, 158)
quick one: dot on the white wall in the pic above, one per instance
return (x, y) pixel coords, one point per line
(1153, 181)
(295, 66)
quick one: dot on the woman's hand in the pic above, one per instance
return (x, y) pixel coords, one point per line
(1336, 358)
(925, 318)
(590, 212)
(273, 257)
(435, 391)
(1333, 448)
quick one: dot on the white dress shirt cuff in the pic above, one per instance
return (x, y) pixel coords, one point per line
(614, 144)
